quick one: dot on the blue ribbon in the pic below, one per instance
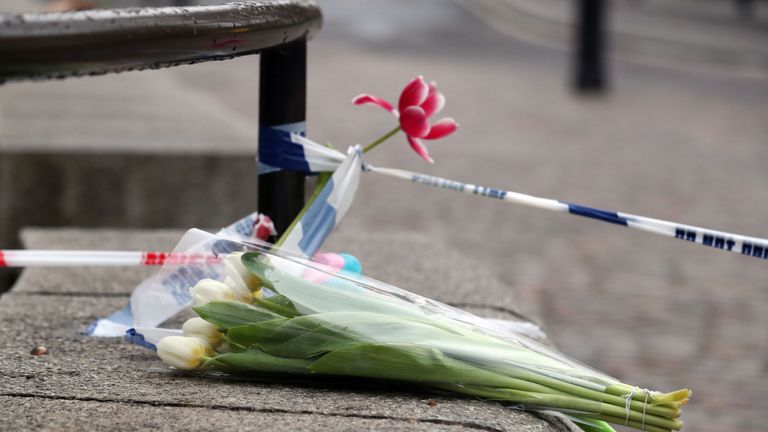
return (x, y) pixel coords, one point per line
(277, 152)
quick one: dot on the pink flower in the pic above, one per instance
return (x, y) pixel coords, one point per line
(418, 102)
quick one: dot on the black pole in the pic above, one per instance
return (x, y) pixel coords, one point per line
(282, 100)
(745, 8)
(589, 52)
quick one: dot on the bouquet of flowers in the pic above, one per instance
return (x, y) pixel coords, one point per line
(269, 310)
(274, 314)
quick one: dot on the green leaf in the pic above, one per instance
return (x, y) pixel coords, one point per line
(253, 262)
(301, 337)
(404, 362)
(229, 314)
(590, 425)
(257, 361)
(474, 346)
(324, 298)
(278, 304)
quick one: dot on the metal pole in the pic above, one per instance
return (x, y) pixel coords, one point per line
(282, 100)
(745, 8)
(589, 67)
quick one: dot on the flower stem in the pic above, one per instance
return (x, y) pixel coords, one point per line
(381, 139)
(322, 180)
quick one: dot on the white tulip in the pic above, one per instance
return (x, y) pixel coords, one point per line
(203, 330)
(183, 352)
(237, 271)
(233, 277)
(239, 290)
(208, 290)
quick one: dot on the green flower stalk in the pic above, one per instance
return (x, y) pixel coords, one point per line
(345, 327)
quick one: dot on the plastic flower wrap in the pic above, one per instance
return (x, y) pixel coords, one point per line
(316, 319)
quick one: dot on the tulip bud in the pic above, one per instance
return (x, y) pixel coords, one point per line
(208, 290)
(183, 352)
(237, 271)
(233, 278)
(203, 330)
(241, 293)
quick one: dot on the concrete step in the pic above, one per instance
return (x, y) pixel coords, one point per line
(135, 149)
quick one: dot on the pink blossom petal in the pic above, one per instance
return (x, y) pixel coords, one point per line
(442, 128)
(370, 99)
(413, 94)
(420, 149)
(434, 102)
(414, 122)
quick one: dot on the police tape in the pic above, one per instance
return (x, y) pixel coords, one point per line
(97, 258)
(744, 245)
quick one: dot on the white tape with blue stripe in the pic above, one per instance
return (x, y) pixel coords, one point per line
(328, 208)
(284, 147)
(745, 245)
(319, 156)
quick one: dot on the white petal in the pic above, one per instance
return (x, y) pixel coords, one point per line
(203, 330)
(208, 290)
(183, 352)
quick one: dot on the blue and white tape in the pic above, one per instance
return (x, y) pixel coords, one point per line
(321, 158)
(328, 208)
(284, 147)
(745, 245)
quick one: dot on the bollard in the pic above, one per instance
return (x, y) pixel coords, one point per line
(282, 100)
(590, 43)
(745, 9)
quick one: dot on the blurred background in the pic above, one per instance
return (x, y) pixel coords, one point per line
(663, 113)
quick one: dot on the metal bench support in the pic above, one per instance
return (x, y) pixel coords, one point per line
(282, 100)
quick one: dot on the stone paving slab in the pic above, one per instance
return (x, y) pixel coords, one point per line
(139, 116)
(128, 385)
(682, 34)
(45, 415)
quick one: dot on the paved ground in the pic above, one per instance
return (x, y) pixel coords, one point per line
(683, 144)
(687, 34)
(108, 384)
